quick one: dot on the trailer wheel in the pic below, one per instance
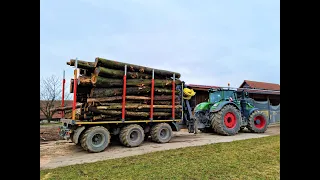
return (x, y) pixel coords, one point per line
(131, 135)
(226, 121)
(161, 133)
(257, 122)
(95, 139)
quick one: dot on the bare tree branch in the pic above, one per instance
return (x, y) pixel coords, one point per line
(51, 94)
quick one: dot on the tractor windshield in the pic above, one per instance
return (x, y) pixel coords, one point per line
(215, 97)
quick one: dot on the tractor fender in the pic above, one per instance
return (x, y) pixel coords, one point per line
(221, 105)
(77, 133)
(252, 110)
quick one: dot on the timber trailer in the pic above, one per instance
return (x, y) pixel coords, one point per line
(221, 115)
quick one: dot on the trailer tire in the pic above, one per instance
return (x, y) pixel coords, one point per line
(93, 135)
(161, 133)
(226, 121)
(132, 135)
(258, 122)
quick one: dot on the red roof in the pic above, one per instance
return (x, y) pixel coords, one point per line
(261, 85)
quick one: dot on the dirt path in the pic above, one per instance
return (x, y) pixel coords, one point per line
(62, 153)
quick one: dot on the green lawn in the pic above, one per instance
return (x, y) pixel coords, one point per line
(246, 159)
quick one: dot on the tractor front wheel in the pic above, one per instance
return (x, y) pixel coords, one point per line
(258, 122)
(226, 121)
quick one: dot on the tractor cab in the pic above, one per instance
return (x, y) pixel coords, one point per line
(218, 95)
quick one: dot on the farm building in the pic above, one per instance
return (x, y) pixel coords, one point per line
(57, 115)
(262, 91)
(265, 96)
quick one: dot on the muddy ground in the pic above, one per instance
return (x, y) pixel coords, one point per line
(55, 152)
(49, 133)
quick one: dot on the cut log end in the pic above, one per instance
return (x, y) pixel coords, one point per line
(94, 79)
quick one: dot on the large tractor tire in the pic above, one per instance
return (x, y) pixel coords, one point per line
(131, 135)
(161, 133)
(258, 122)
(226, 121)
(95, 139)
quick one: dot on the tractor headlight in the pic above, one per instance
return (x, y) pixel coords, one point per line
(216, 104)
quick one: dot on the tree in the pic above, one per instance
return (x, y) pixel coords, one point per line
(50, 95)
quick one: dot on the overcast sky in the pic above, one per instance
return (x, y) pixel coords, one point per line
(210, 42)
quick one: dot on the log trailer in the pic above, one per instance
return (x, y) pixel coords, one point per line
(224, 114)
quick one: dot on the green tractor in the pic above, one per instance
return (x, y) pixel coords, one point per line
(225, 114)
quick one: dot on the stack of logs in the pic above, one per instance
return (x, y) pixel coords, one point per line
(100, 90)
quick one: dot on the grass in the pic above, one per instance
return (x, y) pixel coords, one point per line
(246, 159)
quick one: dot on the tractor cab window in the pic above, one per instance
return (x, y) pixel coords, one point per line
(228, 94)
(215, 97)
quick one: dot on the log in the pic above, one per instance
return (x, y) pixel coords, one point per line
(114, 98)
(103, 117)
(137, 102)
(132, 67)
(105, 92)
(129, 113)
(82, 64)
(83, 87)
(103, 82)
(135, 106)
(141, 109)
(104, 99)
(163, 102)
(113, 73)
(84, 81)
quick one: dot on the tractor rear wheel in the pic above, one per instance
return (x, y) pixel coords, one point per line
(258, 122)
(95, 139)
(161, 133)
(132, 135)
(226, 121)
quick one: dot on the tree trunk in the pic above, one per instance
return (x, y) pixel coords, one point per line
(113, 73)
(105, 92)
(132, 67)
(103, 82)
(135, 106)
(82, 64)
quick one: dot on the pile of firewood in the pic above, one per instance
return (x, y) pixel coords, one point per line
(100, 90)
